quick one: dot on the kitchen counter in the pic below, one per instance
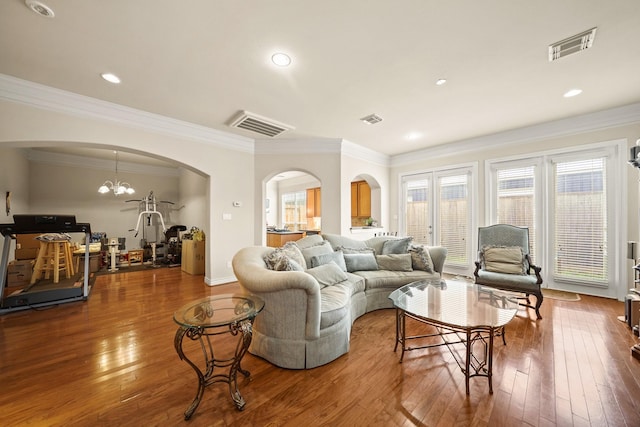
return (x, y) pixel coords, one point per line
(275, 239)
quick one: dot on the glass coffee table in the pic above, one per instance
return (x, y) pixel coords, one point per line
(205, 318)
(462, 313)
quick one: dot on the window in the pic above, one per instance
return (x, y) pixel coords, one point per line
(516, 203)
(294, 210)
(417, 208)
(580, 220)
(453, 206)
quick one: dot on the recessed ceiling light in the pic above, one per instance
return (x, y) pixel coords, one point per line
(412, 136)
(40, 8)
(440, 82)
(111, 78)
(572, 92)
(281, 59)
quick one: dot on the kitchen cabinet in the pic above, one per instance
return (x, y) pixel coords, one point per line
(314, 207)
(360, 199)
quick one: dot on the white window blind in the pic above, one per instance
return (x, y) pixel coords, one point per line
(453, 208)
(580, 224)
(516, 200)
(418, 217)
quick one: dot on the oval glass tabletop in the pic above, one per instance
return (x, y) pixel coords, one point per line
(218, 310)
(455, 303)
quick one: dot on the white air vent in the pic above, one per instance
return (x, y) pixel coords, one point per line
(258, 124)
(572, 45)
(372, 119)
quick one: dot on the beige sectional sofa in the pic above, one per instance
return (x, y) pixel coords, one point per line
(311, 301)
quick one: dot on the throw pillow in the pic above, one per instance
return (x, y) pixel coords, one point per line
(355, 250)
(328, 274)
(503, 259)
(394, 262)
(396, 246)
(337, 257)
(421, 258)
(321, 249)
(365, 261)
(279, 260)
(292, 250)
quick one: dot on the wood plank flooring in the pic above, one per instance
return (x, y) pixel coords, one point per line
(110, 361)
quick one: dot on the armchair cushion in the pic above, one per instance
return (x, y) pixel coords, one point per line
(503, 259)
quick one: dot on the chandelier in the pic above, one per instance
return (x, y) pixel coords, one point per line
(116, 186)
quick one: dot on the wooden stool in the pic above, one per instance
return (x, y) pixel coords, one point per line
(54, 255)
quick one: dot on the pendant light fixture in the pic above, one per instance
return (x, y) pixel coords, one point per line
(116, 186)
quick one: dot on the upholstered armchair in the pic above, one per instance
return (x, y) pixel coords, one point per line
(504, 262)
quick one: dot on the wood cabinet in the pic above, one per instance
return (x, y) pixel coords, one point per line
(314, 206)
(360, 199)
(276, 240)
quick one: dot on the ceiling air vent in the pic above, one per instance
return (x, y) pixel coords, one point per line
(258, 124)
(571, 45)
(372, 119)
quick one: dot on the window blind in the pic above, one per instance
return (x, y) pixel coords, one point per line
(580, 196)
(453, 208)
(516, 200)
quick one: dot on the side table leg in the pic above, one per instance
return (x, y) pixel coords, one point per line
(242, 347)
(177, 342)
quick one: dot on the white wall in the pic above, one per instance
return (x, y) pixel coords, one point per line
(14, 177)
(73, 190)
(229, 171)
(192, 204)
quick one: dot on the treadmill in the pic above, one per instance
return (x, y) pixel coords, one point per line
(43, 292)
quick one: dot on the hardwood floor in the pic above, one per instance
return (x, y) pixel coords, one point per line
(110, 361)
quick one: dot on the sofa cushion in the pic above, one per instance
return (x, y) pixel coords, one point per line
(364, 261)
(385, 279)
(308, 241)
(334, 304)
(328, 274)
(337, 240)
(336, 257)
(396, 246)
(394, 262)
(503, 259)
(421, 258)
(310, 252)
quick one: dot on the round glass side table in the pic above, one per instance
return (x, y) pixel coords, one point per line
(205, 318)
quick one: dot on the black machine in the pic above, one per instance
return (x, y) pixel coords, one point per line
(39, 295)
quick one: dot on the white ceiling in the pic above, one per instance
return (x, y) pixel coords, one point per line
(204, 60)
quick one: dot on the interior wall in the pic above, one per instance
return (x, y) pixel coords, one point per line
(30, 126)
(73, 190)
(14, 177)
(192, 200)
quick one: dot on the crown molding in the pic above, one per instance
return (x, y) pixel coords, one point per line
(298, 146)
(20, 91)
(362, 153)
(70, 160)
(614, 117)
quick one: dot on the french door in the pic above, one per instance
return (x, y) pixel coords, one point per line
(436, 210)
(568, 202)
